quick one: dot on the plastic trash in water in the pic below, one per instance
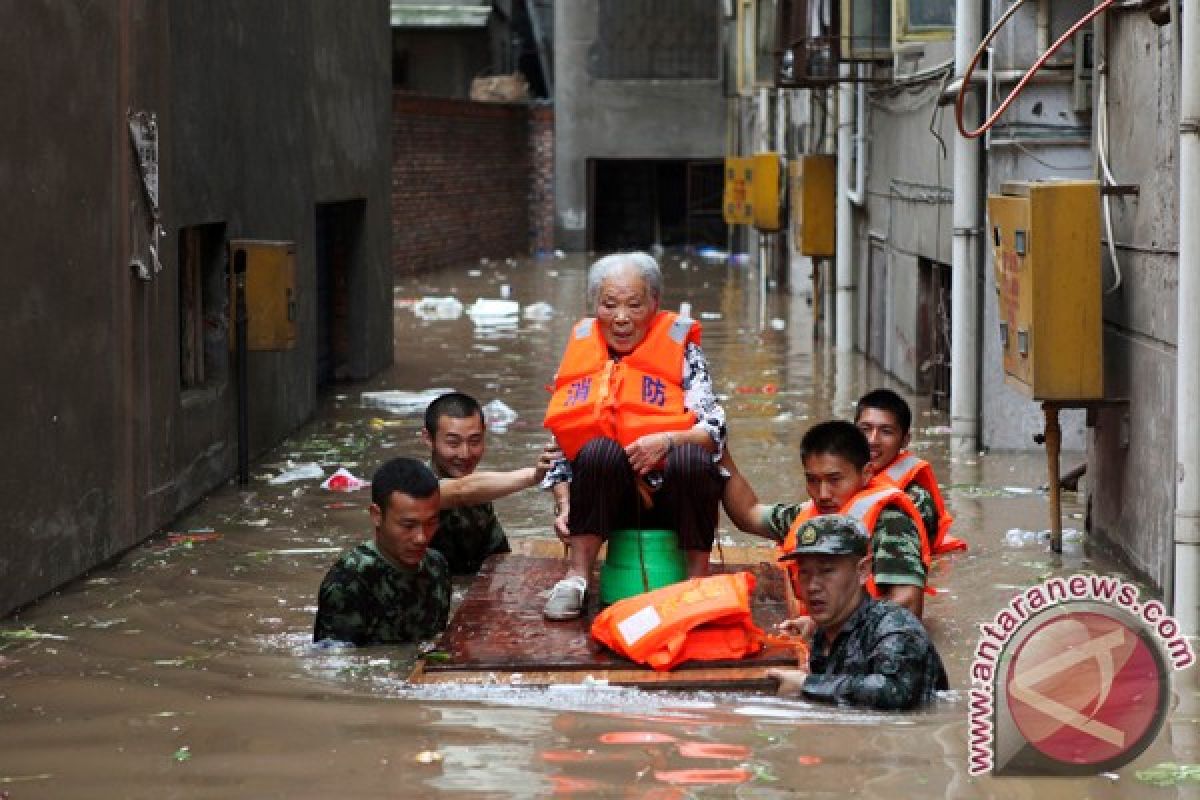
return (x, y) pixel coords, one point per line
(712, 254)
(559, 254)
(438, 308)
(474, 273)
(778, 324)
(505, 291)
(399, 401)
(498, 415)
(344, 481)
(538, 311)
(486, 308)
(298, 472)
(710, 315)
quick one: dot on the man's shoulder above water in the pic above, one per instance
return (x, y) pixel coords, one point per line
(367, 599)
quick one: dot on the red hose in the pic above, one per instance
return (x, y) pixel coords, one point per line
(1037, 65)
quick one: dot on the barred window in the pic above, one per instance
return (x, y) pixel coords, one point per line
(656, 40)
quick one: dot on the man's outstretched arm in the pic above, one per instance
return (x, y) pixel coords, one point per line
(485, 486)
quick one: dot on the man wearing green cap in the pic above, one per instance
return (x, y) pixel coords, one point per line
(865, 652)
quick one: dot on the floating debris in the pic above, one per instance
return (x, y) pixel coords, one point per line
(30, 634)
(428, 757)
(182, 754)
(399, 401)
(538, 312)
(498, 415)
(1169, 774)
(192, 537)
(298, 472)
(436, 308)
(344, 481)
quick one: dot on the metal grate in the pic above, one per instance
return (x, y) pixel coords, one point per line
(656, 40)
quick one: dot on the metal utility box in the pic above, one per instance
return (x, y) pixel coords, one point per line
(767, 192)
(270, 292)
(737, 203)
(812, 183)
(1046, 254)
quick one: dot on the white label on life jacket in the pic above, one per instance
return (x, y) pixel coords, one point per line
(639, 624)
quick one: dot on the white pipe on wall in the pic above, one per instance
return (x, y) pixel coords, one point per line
(857, 192)
(965, 350)
(1186, 594)
(844, 242)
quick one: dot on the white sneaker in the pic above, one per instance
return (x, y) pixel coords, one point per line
(566, 599)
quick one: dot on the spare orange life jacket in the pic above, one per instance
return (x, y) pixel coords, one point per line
(642, 392)
(866, 506)
(908, 469)
(702, 619)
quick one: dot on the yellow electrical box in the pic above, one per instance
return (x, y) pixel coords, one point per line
(270, 292)
(1046, 254)
(767, 192)
(739, 179)
(812, 187)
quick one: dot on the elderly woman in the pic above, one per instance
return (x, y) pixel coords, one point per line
(635, 415)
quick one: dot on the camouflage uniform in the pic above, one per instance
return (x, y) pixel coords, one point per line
(467, 535)
(895, 544)
(882, 657)
(923, 500)
(367, 599)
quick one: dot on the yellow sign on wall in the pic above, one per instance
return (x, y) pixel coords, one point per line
(270, 292)
(812, 183)
(1046, 256)
(767, 192)
(737, 203)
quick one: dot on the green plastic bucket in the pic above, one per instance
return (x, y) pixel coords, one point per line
(622, 574)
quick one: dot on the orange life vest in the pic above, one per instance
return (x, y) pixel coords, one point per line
(906, 470)
(866, 506)
(597, 395)
(702, 619)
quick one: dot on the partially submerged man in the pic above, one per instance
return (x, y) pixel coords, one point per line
(865, 652)
(392, 588)
(468, 529)
(838, 476)
(886, 420)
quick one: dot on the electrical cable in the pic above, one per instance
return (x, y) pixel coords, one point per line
(1037, 65)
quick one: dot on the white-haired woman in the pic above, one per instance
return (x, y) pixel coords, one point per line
(634, 412)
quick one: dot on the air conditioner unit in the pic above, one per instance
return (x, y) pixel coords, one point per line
(807, 43)
(906, 60)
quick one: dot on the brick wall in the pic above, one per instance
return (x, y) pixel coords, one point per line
(461, 181)
(541, 191)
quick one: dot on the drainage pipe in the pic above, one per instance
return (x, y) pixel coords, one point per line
(965, 350)
(844, 242)
(1186, 578)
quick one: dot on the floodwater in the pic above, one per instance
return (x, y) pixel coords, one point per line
(185, 670)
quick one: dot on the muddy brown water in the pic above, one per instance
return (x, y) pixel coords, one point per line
(186, 670)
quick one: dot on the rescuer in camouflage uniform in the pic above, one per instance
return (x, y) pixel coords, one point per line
(835, 456)
(468, 530)
(392, 589)
(865, 652)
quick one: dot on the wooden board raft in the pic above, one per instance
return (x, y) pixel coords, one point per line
(498, 636)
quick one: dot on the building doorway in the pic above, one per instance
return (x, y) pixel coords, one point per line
(339, 262)
(634, 204)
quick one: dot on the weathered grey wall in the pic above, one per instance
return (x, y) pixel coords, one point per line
(618, 118)
(1132, 460)
(264, 110)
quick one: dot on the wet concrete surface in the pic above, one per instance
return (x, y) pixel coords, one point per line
(185, 670)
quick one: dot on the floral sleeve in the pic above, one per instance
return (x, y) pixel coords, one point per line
(700, 397)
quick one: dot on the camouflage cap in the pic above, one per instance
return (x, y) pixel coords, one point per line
(832, 535)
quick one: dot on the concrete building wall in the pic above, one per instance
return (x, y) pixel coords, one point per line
(461, 181)
(602, 118)
(263, 112)
(1131, 465)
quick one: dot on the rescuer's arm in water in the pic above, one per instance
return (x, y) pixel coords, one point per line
(484, 486)
(896, 564)
(741, 503)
